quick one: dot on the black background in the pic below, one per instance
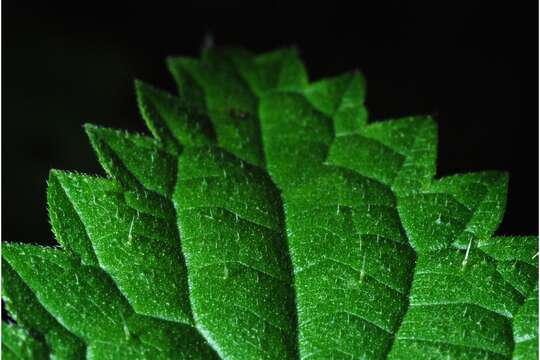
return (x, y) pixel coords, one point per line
(473, 65)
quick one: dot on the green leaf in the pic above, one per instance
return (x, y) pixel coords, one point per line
(268, 219)
(351, 259)
(230, 220)
(121, 155)
(201, 198)
(407, 147)
(453, 307)
(172, 120)
(229, 102)
(17, 343)
(66, 224)
(341, 98)
(514, 260)
(138, 249)
(526, 328)
(29, 313)
(277, 70)
(85, 300)
(458, 209)
(296, 138)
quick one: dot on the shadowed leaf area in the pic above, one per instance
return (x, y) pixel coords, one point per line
(266, 218)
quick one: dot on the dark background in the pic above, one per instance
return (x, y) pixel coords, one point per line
(473, 65)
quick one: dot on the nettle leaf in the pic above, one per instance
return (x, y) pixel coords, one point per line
(267, 218)
(526, 328)
(17, 343)
(24, 307)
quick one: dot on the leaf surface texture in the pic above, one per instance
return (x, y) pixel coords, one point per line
(267, 218)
